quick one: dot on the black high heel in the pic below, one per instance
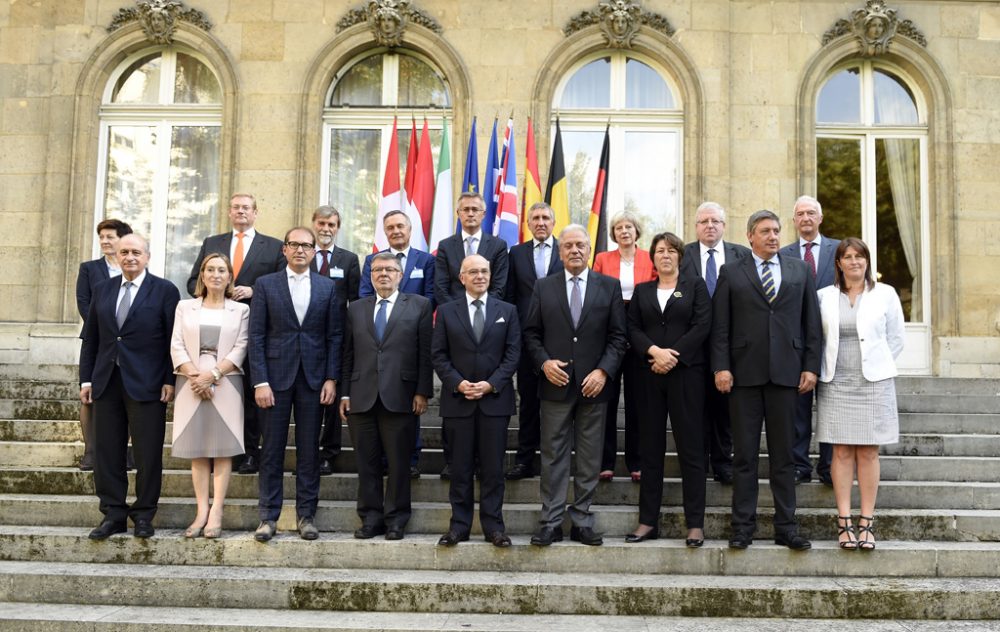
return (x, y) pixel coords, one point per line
(844, 526)
(864, 531)
(635, 538)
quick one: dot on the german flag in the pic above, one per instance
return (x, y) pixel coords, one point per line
(597, 224)
(556, 194)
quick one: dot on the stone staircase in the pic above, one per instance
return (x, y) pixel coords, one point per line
(937, 560)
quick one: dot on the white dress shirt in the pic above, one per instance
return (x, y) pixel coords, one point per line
(136, 282)
(583, 285)
(299, 286)
(472, 308)
(477, 240)
(388, 306)
(720, 257)
(248, 236)
(775, 270)
(815, 248)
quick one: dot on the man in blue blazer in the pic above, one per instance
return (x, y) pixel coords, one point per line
(126, 372)
(295, 337)
(418, 266)
(530, 261)
(817, 251)
(476, 349)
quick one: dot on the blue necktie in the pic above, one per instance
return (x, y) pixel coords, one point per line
(540, 260)
(768, 281)
(380, 319)
(711, 274)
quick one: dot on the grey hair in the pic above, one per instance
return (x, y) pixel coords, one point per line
(387, 256)
(327, 211)
(572, 227)
(759, 217)
(808, 199)
(538, 205)
(711, 206)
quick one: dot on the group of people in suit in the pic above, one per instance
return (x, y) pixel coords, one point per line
(720, 338)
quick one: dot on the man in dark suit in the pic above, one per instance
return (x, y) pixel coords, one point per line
(470, 241)
(818, 252)
(126, 372)
(92, 274)
(704, 258)
(387, 382)
(766, 346)
(253, 255)
(296, 329)
(418, 278)
(341, 266)
(476, 349)
(528, 262)
(575, 332)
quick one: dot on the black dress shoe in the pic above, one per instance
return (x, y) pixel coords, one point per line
(726, 478)
(249, 465)
(794, 541)
(143, 529)
(803, 477)
(586, 535)
(369, 531)
(395, 533)
(414, 472)
(325, 467)
(519, 471)
(826, 480)
(634, 538)
(694, 543)
(740, 541)
(546, 536)
(446, 473)
(498, 539)
(451, 538)
(107, 529)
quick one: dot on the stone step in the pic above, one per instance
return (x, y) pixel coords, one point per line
(620, 491)
(419, 552)
(16, 371)
(491, 592)
(433, 517)
(954, 423)
(949, 403)
(925, 385)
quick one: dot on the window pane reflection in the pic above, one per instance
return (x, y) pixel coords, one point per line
(140, 83)
(590, 87)
(838, 187)
(645, 88)
(194, 82)
(650, 178)
(582, 153)
(354, 180)
(894, 103)
(897, 220)
(419, 85)
(362, 85)
(193, 198)
(840, 99)
(132, 152)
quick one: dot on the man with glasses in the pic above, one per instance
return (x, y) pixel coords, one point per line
(705, 258)
(253, 255)
(296, 327)
(469, 241)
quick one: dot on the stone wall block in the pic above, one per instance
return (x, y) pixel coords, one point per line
(263, 41)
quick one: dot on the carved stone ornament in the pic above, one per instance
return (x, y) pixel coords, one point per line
(874, 26)
(619, 21)
(388, 20)
(159, 18)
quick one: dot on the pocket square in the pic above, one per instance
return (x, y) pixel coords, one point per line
(500, 320)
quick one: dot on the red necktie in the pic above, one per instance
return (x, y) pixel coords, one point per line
(324, 268)
(809, 258)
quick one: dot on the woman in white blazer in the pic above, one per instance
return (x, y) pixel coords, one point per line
(208, 347)
(856, 399)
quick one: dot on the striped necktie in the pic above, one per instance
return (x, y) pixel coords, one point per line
(768, 281)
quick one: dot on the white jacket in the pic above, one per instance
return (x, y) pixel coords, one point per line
(880, 330)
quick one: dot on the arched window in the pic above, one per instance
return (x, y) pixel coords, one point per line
(638, 99)
(871, 173)
(362, 101)
(159, 168)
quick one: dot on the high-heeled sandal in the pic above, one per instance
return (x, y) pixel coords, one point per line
(864, 543)
(844, 526)
(212, 533)
(193, 532)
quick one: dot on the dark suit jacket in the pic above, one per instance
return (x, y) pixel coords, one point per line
(447, 265)
(457, 356)
(521, 275)
(91, 274)
(691, 262)
(761, 342)
(141, 347)
(263, 257)
(278, 344)
(418, 276)
(825, 270)
(598, 341)
(348, 280)
(683, 325)
(395, 369)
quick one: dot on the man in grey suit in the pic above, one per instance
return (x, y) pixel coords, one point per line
(575, 332)
(817, 251)
(766, 346)
(387, 380)
(704, 258)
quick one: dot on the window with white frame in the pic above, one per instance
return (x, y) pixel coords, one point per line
(871, 173)
(363, 100)
(159, 168)
(637, 98)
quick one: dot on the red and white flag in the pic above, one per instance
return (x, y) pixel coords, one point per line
(421, 197)
(391, 197)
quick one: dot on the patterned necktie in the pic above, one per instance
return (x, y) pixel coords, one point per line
(711, 274)
(238, 255)
(540, 260)
(470, 246)
(380, 319)
(478, 320)
(768, 281)
(124, 306)
(324, 268)
(809, 258)
(575, 301)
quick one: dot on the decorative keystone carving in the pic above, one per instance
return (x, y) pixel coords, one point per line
(874, 26)
(159, 18)
(619, 21)
(388, 20)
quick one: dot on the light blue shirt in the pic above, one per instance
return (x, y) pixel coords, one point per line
(775, 269)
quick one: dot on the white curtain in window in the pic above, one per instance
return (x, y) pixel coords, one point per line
(903, 158)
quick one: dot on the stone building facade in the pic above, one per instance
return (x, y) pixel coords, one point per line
(889, 112)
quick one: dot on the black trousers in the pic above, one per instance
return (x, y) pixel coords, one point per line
(750, 408)
(376, 432)
(251, 417)
(330, 440)
(803, 433)
(483, 438)
(679, 394)
(116, 415)
(718, 431)
(528, 420)
(629, 374)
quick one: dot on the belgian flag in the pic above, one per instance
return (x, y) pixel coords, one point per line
(556, 194)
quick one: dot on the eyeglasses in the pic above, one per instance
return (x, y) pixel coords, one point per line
(297, 245)
(385, 270)
(470, 210)
(713, 222)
